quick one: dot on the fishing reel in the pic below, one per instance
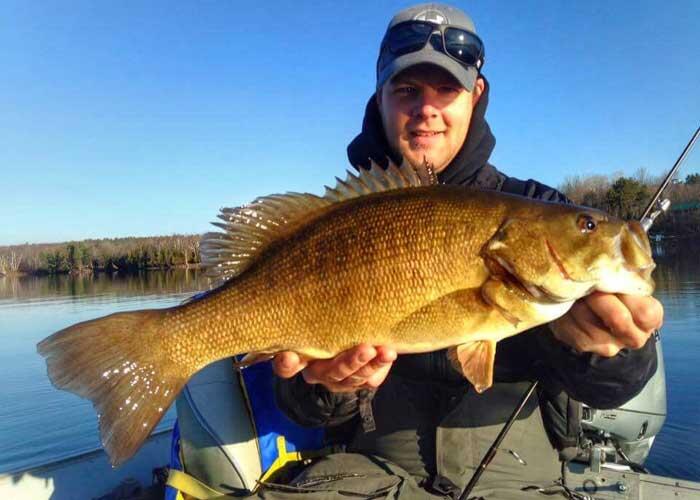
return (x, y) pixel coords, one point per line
(662, 207)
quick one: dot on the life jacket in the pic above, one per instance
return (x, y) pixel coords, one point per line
(229, 434)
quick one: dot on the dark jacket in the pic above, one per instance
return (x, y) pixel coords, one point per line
(535, 354)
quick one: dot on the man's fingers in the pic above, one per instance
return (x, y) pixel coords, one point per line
(376, 379)
(610, 310)
(586, 319)
(598, 338)
(361, 366)
(386, 354)
(330, 371)
(287, 364)
(647, 312)
(369, 376)
(567, 330)
(384, 358)
(618, 319)
(601, 342)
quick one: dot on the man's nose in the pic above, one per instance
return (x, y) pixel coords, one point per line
(425, 105)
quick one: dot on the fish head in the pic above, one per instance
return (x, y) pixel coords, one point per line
(567, 252)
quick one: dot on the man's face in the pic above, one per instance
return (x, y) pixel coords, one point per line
(426, 114)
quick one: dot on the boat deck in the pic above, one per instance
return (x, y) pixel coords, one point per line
(611, 484)
(91, 476)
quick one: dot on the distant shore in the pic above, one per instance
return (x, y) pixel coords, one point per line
(624, 197)
(104, 255)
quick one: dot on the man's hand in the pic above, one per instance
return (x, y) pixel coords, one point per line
(362, 367)
(604, 323)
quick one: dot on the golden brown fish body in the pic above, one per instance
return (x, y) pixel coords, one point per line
(380, 260)
(349, 277)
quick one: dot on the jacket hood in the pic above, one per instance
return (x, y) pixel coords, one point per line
(371, 144)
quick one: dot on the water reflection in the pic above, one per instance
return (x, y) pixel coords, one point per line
(38, 423)
(678, 288)
(30, 287)
(677, 261)
(677, 265)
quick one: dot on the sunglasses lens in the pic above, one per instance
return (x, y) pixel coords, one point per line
(463, 46)
(409, 37)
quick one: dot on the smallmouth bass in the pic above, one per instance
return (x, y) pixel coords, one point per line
(381, 258)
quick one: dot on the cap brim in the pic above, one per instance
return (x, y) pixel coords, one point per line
(466, 76)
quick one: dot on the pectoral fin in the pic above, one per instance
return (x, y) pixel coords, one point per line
(475, 360)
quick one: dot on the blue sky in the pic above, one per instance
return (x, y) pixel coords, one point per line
(143, 118)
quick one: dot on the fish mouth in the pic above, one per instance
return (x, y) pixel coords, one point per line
(502, 270)
(635, 251)
(643, 272)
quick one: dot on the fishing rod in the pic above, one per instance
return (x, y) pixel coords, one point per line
(662, 206)
(488, 457)
(647, 219)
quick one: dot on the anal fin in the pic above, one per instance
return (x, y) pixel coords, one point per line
(475, 360)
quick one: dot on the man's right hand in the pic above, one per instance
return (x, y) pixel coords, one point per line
(362, 367)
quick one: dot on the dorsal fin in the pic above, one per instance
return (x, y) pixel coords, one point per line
(249, 229)
(374, 180)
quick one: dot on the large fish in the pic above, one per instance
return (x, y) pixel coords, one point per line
(382, 259)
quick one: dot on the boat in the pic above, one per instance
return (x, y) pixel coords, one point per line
(226, 451)
(89, 475)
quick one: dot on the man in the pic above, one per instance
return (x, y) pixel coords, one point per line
(416, 414)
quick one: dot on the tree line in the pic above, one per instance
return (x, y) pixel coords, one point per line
(627, 197)
(102, 255)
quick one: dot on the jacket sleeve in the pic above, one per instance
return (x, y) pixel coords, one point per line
(312, 405)
(595, 380)
(598, 381)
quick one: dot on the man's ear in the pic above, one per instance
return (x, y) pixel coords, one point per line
(378, 96)
(479, 87)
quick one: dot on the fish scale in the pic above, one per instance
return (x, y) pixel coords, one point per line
(390, 267)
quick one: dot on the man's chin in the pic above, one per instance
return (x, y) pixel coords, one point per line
(419, 159)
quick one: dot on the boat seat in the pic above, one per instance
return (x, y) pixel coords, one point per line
(217, 436)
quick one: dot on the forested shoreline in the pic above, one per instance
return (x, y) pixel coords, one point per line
(627, 197)
(624, 197)
(101, 255)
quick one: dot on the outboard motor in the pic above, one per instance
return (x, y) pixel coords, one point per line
(625, 435)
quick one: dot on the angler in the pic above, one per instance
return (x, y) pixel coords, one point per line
(425, 423)
(430, 427)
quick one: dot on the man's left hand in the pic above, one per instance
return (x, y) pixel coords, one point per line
(604, 323)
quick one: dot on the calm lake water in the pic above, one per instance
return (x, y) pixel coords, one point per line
(39, 424)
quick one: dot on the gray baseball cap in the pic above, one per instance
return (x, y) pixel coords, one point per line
(389, 65)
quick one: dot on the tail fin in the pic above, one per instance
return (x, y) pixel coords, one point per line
(116, 362)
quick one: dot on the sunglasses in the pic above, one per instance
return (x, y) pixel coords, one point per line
(411, 36)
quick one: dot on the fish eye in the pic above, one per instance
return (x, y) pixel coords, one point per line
(586, 223)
